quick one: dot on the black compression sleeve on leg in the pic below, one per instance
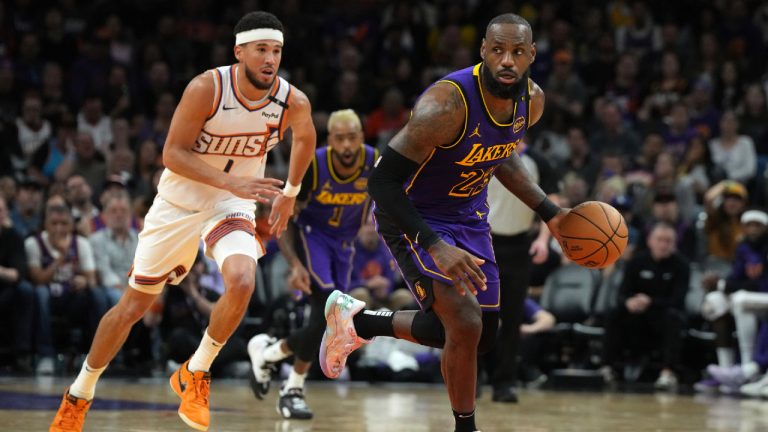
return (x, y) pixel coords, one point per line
(386, 188)
(370, 323)
(428, 330)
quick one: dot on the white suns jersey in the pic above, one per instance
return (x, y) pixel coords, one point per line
(235, 138)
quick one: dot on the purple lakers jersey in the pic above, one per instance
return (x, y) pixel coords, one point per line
(338, 206)
(452, 181)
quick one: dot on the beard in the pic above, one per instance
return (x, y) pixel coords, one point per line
(255, 81)
(342, 160)
(503, 91)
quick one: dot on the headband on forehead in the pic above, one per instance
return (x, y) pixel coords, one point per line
(258, 34)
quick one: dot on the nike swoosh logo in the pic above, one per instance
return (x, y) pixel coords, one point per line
(182, 384)
(226, 108)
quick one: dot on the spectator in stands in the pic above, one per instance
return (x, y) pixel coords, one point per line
(753, 117)
(650, 312)
(729, 90)
(679, 132)
(374, 279)
(387, 119)
(704, 116)
(16, 295)
(92, 120)
(114, 246)
(85, 162)
(147, 162)
(696, 169)
(52, 92)
(156, 128)
(666, 208)
(47, 159)
(62, 267)
(569, 96)
(667, 89)
(723, 203)
(80, 199)
(732, 152)
(26, 212)
(624, 90)
(33, 129)
(613, 134)
(582, 161)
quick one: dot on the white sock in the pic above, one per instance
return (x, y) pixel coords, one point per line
(295, 380)
(84, 386)
(207, 351)
(274, 353)
(725, 357)
(750, 370)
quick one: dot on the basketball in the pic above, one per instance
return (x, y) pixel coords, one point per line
(593, 234)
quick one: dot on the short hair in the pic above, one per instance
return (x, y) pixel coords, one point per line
(509, 18)
(258, 20)
(662, 225)
(344, 115)
(57, 209)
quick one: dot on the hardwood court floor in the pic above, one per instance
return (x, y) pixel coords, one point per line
(149, 405)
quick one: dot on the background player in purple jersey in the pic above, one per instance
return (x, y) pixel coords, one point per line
(319, 247)
(429, 189)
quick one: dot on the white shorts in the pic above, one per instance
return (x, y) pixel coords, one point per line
(168, 244)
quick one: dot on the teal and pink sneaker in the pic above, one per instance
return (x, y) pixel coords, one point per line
(340, 338)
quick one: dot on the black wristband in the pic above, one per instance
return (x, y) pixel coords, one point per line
(547, 210)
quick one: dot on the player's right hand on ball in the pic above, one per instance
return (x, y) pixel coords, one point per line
(461, 266)
(260, 189)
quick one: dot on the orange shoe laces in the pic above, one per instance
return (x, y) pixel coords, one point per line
(202, 389)
(70, 416)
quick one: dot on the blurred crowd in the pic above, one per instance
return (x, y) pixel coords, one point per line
(658, 108)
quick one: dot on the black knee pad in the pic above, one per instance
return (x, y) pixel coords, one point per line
(427, 329)
(488, 336)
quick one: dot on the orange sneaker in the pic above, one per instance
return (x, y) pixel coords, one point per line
(71, 414)
(193, 389)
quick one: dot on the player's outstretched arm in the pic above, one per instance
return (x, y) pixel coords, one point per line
(178, 156)
(437, 119)
(515, 177)
(299, 120)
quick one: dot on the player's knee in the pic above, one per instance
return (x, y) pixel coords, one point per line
(465, 327)
(129, 312)
(240, 284)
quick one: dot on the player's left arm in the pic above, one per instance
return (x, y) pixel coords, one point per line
(515, 177)
(299, 120)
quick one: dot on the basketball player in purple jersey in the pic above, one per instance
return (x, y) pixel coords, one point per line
(429, 192)
(320, 249)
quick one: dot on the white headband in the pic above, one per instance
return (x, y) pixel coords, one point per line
(258, 34)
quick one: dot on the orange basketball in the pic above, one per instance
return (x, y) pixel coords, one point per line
(593, 234)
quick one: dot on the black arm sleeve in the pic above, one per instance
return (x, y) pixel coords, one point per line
(386, 188)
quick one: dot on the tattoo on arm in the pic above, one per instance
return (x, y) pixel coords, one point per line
(437, 119)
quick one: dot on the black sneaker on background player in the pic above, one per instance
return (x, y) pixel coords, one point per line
(291, 404)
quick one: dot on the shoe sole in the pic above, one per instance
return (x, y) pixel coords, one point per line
(324, 345)
(259, 389)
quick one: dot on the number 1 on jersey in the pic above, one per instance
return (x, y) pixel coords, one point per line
(335, 220)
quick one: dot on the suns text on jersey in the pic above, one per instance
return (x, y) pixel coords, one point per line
(478, 153)
(247, 145)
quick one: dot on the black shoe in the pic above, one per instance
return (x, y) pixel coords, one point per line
(291, 405)
(504, 394)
